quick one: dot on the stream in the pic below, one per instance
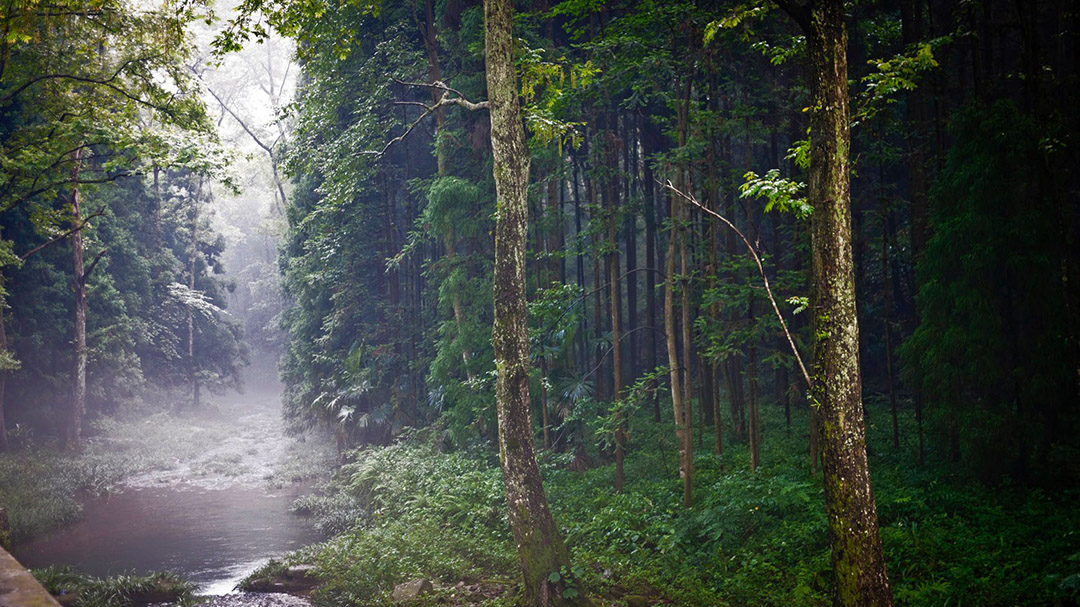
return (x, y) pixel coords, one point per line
(213, 520)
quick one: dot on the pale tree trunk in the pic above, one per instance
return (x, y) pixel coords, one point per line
(73, 433)
(680, 398)
(539, 543)
(673, 349)
(192, 375)
(458, 307)
(545, 422)
(857, 559)
(431, 45)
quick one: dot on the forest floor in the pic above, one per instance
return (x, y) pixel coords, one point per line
(415, 510)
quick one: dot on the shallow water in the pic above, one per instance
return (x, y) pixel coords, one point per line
(209, 517)
(212, 537)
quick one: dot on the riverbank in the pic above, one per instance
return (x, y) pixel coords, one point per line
(203, 495)
(237, 441)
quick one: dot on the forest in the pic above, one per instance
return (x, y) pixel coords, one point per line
(549, 303)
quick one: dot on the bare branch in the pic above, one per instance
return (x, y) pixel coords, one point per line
(56, 239)
(93, 264)
(443, 101)
(761, 270)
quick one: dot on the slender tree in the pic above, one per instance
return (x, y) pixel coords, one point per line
(73, 431)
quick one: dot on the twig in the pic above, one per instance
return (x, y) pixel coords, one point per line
(761, 269)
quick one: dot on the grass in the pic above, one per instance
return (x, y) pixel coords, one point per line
(752, 538)
(309, 457)
(117, 591)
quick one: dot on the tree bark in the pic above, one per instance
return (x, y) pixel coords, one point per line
(687, 345)
(3, 372)
(858, 563)
(192, 375)
(614, 292)
(616, 357)
(73, 430)
(673, 348)
(540, 546)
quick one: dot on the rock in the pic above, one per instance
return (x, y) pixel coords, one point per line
(634, 600)
(300, 572)
(411, 590)
(296, 579)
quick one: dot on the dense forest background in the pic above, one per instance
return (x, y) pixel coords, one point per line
(669, 148)
(964, 222)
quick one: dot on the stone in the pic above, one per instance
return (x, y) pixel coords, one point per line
(411, 590)
(18, 588)
(300, 572)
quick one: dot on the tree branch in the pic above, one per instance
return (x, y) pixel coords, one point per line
(761, 270)
(443, 101)
(93, 264)
(56, 239)
(106, 82)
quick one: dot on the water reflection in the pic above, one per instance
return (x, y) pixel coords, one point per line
(210, 536)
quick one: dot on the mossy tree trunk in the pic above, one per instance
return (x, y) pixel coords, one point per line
(858, 563)
(540, 546)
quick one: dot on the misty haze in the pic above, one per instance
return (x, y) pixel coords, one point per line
(553, 303)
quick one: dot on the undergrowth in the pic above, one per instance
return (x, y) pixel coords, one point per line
(752, 538)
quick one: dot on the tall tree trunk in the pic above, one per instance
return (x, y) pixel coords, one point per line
(650, 259)
(3, 371)
(610, 200)
(633, 322)
(753, 413)
(192, 375)
(540, 546)
(544, 421)
(616, 355)
(687, 345)
(857, 559)
(73, 434)
(886, 281)
(918, 114)
(673, 351)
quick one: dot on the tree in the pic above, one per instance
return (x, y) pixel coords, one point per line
(92, 89)
(857, 558)
(545, 561)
